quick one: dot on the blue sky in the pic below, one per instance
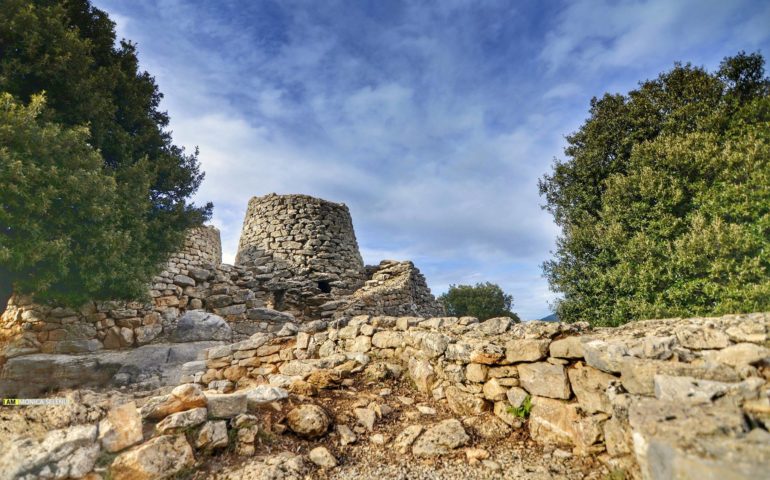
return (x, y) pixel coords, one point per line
(432, 121)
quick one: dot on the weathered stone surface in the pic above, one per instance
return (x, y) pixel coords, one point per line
(476, 372)
(502, 411)
(494, 391)
(366, 417)
(346, 435)
(197, 325)
(157, 458)
(569, 347)
(406, 438)
(544, 379)
(297, 368)
(422, 374)
(212, 435)
(226, 405)
(700, 337)
(464, 403)
(741, 354)
(66, 453)
(121, 428)
(526, 350)
(387, 339)
(308, 420)
(488, 426)
(494, 326)
(590, 385)
(269, 315)
(516, 396)
(155, 365)
(262, 394)
(678, 425)
(486, 353)
(606, 356)
(688, 389)
(182, 420)
(552, 421)
(322, 457)
(181, 398)
(433, 344)
(440, 439)
(637, 375)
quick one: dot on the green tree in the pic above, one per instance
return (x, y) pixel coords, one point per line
(67, 50)
(663, 199)
(483, 300)
(67, 223)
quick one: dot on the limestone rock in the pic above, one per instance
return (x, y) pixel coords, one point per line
(226, 405)
(486, 353)
(65, 453)
(212, 435)
(464, 403)
(544, 379)
(182, 420)
(494, 326)
(322, 457)
(366, 417)
(516, 396)
(742, 354)
(637, 375)
(494, 391)
(308, 420)
(488, 426)
(387, 339)
(688, 389)
(501, 411)
(406, 438)
(440, 439)
(569, 347)
(269, 315)
(184, 397)
(526, 350)
(262, 394)
(346, 435)
(422, 373)
(157, 458)
(197, 325)
(590, 385)
(698, 337)
(606, 356)
(476, 372)
(552, 421)
(121, 428)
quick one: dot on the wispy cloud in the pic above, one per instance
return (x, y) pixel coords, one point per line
(432, 121)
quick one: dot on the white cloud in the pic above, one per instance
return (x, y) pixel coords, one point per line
(433, 123)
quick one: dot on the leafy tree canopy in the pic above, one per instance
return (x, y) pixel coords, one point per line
(483, 300)
(664, 199)
(95, 92)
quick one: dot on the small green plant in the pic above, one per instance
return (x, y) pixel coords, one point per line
(522, 411)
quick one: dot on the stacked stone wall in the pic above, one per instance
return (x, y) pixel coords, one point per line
(301, 238)
(191, 279)
(395, 289)
(656, 399)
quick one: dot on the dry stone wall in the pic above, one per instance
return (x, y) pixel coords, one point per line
(394, 288)
(660, 399)
(297, 237)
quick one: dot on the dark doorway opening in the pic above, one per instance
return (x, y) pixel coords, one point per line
(278, 299)
(324, 286)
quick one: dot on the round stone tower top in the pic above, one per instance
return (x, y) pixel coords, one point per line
(303, 238)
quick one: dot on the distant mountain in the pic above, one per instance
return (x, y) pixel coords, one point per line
(550, 318)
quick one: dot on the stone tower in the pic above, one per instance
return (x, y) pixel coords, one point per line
(303, 239)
